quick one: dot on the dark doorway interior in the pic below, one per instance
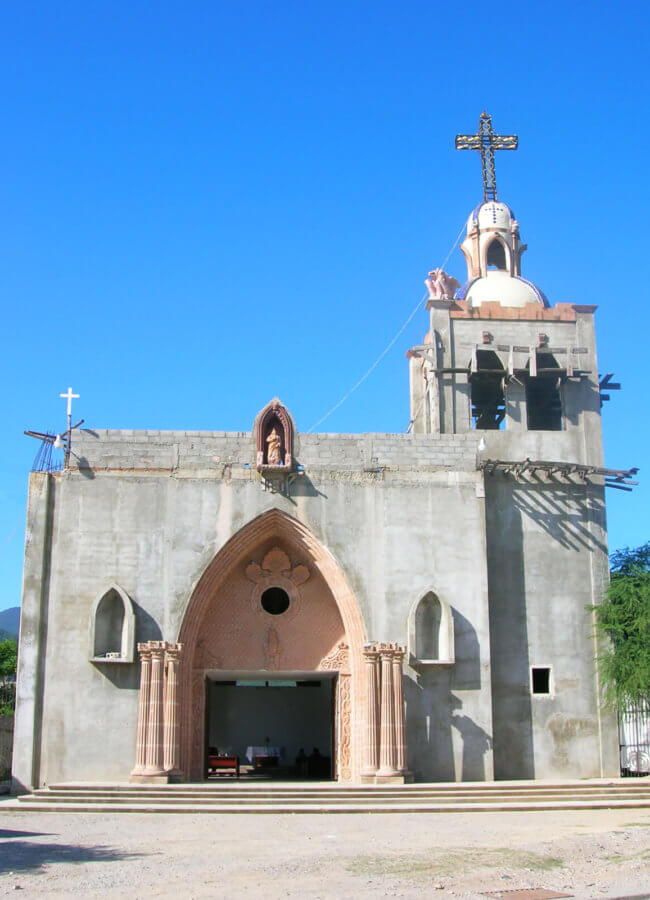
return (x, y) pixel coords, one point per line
(280, 727)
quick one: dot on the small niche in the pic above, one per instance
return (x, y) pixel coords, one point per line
(112, 627)
(431, 632)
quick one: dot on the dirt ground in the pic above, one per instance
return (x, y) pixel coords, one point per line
(583, 854)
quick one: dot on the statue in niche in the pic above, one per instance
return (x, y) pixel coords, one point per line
(274, 448)
(273, 433)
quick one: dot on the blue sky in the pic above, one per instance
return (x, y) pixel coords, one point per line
(204, 205)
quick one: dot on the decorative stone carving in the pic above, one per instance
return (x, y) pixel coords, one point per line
(385, 744)
(205, 658)
(143, 710)
(440, 285)
(154, 764)
(274, 437)
(272, 649)
(276, 562)
(276, 570)
(198, 724)
(337, 659)
(387, 748)
(157, 751)
(398, 699)
(371, 745)
(345, 727)
(274, 448)
(171, 749)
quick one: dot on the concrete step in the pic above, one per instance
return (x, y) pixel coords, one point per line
(330, 789)
(235, 797)
(231, 797)
(279, 808)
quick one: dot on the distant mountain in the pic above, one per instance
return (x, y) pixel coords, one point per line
(9, 622)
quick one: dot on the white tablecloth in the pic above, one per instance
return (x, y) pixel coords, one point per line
(266, 750)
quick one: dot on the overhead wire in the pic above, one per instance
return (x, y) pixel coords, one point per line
(386, 348)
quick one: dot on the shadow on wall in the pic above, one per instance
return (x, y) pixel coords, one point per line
(127, 676)
(303, 486)
(476, 743)
(511, 702)
(432, 711)
(85, 468)
(466, 671)
(563, 511)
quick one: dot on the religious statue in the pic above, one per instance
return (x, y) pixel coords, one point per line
(274, 451)
(441, 286)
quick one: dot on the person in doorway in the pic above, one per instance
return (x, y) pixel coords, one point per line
(315, 763)
(302, 764)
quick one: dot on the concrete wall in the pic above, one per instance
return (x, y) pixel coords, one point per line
(402, 514)
(542, 543)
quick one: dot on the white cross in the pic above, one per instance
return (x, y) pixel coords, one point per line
(69, 397)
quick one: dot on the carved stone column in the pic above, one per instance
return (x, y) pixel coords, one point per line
(371, 746)
(387, 746)
(400, 725)
(143, 710)
(154, 755)
(171, 749)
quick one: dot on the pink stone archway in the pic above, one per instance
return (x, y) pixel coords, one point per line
(334, 639)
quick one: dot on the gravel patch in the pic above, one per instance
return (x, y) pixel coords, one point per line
(601, 853)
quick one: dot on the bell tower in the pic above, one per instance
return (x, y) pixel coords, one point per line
(497, 357)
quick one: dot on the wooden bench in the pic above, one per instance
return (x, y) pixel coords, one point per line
(223, 765)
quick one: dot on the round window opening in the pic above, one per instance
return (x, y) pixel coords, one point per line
(275, 601)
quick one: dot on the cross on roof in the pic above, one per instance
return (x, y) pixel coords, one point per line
(69, 397)
(486, 141)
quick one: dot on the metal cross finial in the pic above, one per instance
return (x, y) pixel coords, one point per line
(486, 141)
(69, 397)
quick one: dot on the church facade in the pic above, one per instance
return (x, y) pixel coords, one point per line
(414, 606)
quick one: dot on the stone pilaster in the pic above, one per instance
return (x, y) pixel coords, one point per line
(143, 710)
(387, 743)
(154, 754)
(171, 749)
(398, 702)
(371, 745)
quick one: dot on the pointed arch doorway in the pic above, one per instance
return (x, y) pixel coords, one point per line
(273, 601)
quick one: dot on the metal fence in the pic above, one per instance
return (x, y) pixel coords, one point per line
(7, 698)
(634, 738)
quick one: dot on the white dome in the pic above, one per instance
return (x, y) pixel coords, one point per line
(492, 214)
(507, 289)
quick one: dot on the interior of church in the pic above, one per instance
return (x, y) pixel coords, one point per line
(274, 728)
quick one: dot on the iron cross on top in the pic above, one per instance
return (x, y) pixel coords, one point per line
(487, 142)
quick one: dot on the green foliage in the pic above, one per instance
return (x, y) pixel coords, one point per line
(624, 619)
(8, 657)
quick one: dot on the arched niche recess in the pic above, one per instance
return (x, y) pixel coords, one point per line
(431, 632)
(112, 627)
(274, 432)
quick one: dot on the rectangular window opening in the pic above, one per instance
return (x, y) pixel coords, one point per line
(541, 679)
